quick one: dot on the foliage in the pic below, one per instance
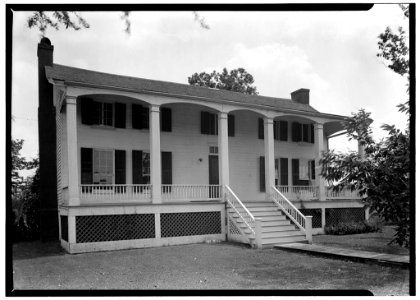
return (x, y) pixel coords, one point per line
(201, 21)
(18, 164)
(43, 20)
(237, 80)
(352, 228)
(381, 177)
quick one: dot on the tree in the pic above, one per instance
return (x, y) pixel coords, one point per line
(382, 175)
(237, 80)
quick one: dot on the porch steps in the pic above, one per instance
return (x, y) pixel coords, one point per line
(276, 228)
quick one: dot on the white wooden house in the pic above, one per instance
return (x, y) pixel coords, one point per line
(145, 163)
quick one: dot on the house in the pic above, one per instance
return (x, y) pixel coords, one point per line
(146, 163)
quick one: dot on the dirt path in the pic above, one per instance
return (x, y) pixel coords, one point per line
(198, 266)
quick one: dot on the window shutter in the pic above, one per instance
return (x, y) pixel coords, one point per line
(262, 174)
(276, 132)
(96, 113)
(87, 111)
(295, 171)
(283, 130)
(120, 167)
(205, 122)
(305, 129)
(137, 167)
(260, 128)
(86, 169)
(296, 132)
(144, 117)
(136, 115)
(312, 169)
(284, 171)
(166, 119)
(312, 134)
(231, 125)
(119, 115)
(166, 167)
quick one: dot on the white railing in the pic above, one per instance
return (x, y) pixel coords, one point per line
(191, 192)
(304, 223)
(240, 209)
(345, 193)
(299, 192)
(114, 193)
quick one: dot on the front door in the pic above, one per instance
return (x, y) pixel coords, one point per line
(213, 176)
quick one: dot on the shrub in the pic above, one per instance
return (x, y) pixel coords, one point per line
(353, 227)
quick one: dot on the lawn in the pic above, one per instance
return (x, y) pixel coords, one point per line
(375, 241)
(198, 266)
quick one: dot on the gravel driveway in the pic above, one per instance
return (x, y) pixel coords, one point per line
(198, 266)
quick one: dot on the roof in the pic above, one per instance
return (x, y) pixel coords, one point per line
(88, 77)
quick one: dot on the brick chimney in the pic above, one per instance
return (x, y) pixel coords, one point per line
(47, 146)
(301, 96)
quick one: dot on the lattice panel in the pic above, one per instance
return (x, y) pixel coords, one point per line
(187, 224)
(64, 228)
(114, 228)
(343, 215)
(232, 228)
(316, 216)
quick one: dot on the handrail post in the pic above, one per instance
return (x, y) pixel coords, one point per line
(308, 228)
(258, 233)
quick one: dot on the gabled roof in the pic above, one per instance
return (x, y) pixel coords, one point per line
(106, 80)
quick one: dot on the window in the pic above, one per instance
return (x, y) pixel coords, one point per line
(103, 113)
(280, 130)
(209, 123)
(214, 150)
(103, 166)
(145, 165)
(302, 132)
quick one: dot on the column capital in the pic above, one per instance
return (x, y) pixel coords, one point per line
(70, 99)
(319, 126)
(154, 108)
(268, 120)
(222, 115)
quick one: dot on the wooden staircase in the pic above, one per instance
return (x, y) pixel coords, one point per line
(276, 228)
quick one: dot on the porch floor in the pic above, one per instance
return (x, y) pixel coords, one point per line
(351, 254)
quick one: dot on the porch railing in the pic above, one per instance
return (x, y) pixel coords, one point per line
(303, 222)
(240, 209)
(114, 193)
(299, 192)
(191, 192)
(346, 193)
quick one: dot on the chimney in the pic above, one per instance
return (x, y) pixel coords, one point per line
(301, 96)
(47, 146)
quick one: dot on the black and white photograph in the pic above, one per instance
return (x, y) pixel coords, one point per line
(237, 149)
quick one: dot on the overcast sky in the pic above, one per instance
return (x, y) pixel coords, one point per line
(331, 53)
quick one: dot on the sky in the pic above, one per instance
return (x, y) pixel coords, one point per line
(331, 53)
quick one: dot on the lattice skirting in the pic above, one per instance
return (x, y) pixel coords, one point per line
(343, 215)
(233, 229)
(316, 214)
(191, 223)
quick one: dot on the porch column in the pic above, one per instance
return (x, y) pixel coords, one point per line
(155, 156)
(269, 154)
(319, 147)
(223, 149)
(72, 150)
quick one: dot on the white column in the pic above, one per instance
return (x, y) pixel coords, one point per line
(223, 149)
(319, 147)
(155, 156)
(72, 150)
(269, 154)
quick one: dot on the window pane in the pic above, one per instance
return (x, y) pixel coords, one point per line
(107, 114)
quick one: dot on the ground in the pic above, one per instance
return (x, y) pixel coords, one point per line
(200, 266)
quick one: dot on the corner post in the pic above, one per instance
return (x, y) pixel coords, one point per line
(155, 155)
(269, 154)
(319, 147)
(72, 150)
(223, 149)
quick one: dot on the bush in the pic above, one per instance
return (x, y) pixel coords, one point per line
(353, 227)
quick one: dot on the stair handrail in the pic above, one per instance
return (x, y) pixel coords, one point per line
(247, 217)
(288, 208)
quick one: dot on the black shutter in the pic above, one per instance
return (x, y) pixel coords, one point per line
(305, 129)
(119, 115)
(205, 122)
(137, 163)
(96, 113)
(312, 134)
(262, 174)
(312, 169)
(166, 119)
(295, 171)
(260, 128)
(86, 169)
(296, 132)
(284, 171)
(87, 111)
(231, 125)
(276, 130)
(136, 114)
(120, 167)
(144, 117)
(283, 130)
(166, 167)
